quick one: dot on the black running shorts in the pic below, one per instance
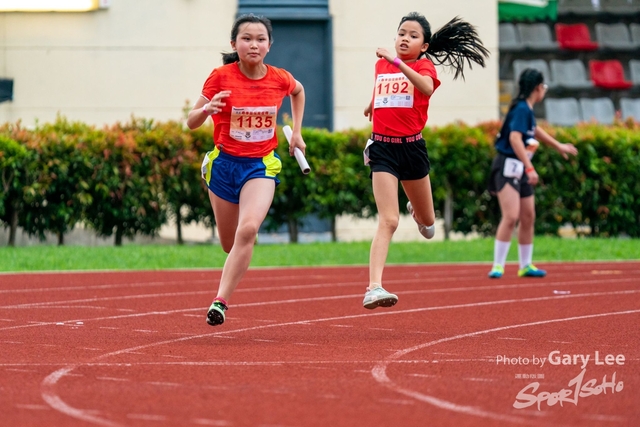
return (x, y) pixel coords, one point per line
(497, 180)
(406, 158)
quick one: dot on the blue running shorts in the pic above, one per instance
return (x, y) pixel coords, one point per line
(225, 174)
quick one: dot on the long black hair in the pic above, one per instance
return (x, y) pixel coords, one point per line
(452, 45)
(529, 79)
(229, 58)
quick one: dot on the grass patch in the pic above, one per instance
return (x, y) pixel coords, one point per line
(159, 257)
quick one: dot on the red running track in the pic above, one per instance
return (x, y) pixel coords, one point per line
(298, 349)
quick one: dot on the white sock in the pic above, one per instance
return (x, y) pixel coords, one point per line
(525, 253)
(500, 252)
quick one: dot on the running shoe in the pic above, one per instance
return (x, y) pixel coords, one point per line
(215, 315)
(378, 297)
(496, 272)
(427, 231)
(531, 271)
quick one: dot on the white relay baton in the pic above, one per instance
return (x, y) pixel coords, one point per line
(304, 166)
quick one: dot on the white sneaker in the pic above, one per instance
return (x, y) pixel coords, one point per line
(378, 297)
(427, 231)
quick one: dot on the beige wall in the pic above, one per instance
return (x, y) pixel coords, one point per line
(148, 57)
(142, 57)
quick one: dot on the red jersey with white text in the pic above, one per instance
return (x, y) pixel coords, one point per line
(246, 125)
(399, 109)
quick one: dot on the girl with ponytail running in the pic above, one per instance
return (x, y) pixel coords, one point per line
(515, 144)
(396, 152)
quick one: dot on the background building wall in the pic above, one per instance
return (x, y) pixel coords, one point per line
(142, 57)
(149, 57)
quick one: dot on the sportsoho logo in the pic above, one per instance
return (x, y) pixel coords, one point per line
(578, 387)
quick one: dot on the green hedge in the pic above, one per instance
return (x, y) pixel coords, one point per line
(131, 178)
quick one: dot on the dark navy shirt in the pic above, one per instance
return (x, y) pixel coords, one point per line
(519, 119)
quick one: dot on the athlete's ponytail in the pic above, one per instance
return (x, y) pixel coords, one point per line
(529, 79)
(229, 58)
(452, 45)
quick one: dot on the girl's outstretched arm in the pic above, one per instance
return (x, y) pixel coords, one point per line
(564, 149)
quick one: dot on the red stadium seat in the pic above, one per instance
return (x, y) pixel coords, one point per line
(608, 74)
(574, 37)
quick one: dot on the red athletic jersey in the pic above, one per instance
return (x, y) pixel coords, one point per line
(399, 109)
(246, 126)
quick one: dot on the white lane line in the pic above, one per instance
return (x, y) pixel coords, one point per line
(297, 300)
(165, 384)
(48, 385)
(147, 417)
(103, 299)
(227, 363)
(303, 322)
(611, 418)
(397, 401)
(379, 372)
(546, 283)
(33, 407)
(113, 379)
(206, 422)
(182, 310)
(206, 282)
(102, 287)
(509, 338)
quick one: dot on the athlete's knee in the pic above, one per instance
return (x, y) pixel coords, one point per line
(509, 220)
(246, 232)
(389, 224)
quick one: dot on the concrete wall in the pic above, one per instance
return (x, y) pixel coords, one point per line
(148, 57)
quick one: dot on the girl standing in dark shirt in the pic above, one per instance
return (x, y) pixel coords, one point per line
(513, 175)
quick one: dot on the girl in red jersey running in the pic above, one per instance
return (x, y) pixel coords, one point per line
(243, 97)
(396, 151)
